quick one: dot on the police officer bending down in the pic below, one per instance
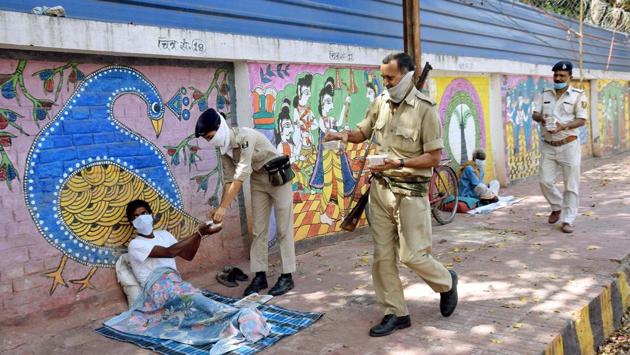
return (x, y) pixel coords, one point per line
(248, 154)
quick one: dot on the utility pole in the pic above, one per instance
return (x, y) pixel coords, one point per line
(411, 32)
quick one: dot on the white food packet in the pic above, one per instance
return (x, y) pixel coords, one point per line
(376, 160)
(333, 145)
(550, 123)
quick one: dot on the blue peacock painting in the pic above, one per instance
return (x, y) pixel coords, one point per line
(76, 193)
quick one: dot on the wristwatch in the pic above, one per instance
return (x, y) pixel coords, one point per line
(401, 163)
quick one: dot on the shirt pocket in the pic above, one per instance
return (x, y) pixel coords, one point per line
(567, 107)
(407, 140)
(547, 108)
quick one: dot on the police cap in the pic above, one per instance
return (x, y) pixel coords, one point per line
(208, 121)
(563, 65)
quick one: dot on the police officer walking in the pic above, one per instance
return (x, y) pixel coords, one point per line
(561, 111)
(407, 129)
(248, 154)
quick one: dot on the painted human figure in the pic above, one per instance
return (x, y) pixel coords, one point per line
(332, 171)
(511, 115)
(305, 123)
(370, 92)
(284, 133)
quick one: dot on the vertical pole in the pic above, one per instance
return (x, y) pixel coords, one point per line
(581, 63)
(411, 32)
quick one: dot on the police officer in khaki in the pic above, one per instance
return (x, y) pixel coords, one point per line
(247, 154)
(561, 111)
(407, 129)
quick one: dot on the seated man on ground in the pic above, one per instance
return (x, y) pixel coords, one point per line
(471, 183)
(171, 308)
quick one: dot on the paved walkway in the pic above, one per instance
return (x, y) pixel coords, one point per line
(521, 280)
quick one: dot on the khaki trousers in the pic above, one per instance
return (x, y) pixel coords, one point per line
(401, 228)
(265, 197)
(565, 158)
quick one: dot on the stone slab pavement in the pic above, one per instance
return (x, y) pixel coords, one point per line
(521, 281)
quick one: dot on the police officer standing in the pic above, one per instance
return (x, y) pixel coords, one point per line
(248, 154)
(407, 129)
(561, 111)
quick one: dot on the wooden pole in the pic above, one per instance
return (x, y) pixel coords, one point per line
(411, 33)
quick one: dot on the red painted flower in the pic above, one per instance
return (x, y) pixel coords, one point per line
(3, 122)
(49, 85)
(72, 77)
(197, 94)
(5, 141)
(47, 104)
(171, 151)
(3, 173)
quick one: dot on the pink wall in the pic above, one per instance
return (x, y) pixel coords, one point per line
(28, 249)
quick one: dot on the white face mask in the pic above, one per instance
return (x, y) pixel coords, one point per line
(398, 92)
(481, 164)
(144, 224)
(221, 139)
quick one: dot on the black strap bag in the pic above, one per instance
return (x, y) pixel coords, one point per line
(279, 170)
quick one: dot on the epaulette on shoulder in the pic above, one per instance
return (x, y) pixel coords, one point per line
(425, 98)
(548, 90)
(579, 91)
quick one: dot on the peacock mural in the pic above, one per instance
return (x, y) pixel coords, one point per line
(77, 195)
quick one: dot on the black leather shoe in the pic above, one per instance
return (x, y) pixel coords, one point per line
(258, 283)
(237, 274)
(282, 286)
(389, 324)
(448, 299)
(226, 279)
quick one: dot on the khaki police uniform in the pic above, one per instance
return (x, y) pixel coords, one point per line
(250, 151)
(399, 210)
(560, 152)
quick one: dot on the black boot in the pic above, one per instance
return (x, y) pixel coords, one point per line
(283, 285)
(448, 299)
(389, 324)
(258, 283)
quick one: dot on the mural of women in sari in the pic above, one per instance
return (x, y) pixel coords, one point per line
(332, 171)
(304, 122)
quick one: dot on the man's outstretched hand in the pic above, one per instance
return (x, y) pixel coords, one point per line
(207, 230)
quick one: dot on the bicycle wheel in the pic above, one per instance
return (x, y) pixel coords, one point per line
(443, 194)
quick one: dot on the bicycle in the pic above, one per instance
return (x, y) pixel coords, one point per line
(443, 193)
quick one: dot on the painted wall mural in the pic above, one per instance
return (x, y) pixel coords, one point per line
(522, 134)
(462, 104)
(294, 106)
(586, 136)
(84, 140)
(614, 115)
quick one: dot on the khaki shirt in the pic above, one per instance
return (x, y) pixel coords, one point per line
(414, 129)
(250, 151)
(570, 105)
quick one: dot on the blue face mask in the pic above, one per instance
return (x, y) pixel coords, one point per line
(559, 86)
